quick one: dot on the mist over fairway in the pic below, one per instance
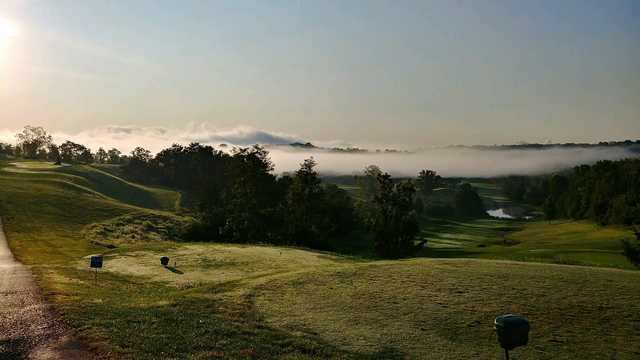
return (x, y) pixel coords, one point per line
(452, 162)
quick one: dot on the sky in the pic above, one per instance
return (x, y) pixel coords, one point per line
(403, 74)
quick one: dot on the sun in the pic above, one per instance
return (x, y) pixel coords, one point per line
(8, 28)
(8, 31)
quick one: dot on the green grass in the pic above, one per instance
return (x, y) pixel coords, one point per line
(125, 191)
(559, 242)
(101, 183)
(491, 193)
(444, 309)
(231, 301)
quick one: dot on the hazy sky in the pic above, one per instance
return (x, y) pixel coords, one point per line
(364, 72)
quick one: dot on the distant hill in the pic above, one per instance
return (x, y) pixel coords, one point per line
(632, 145)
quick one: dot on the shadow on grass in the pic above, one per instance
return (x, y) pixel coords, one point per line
(174, 270)
(14, 348)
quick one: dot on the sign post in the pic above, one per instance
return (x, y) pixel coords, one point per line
(96, 263)
(512, 331)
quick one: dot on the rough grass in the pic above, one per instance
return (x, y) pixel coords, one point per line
(142, 226)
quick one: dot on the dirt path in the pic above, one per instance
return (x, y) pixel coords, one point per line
(27, 328)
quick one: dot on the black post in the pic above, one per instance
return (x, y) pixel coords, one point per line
(506, 354)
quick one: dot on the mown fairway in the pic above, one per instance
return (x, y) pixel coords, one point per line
(558, 242)
(231, 301)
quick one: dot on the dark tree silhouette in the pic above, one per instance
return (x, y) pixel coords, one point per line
(393, 221)
(631, 250)
(427, 181)
(468, 203)
(71, 152)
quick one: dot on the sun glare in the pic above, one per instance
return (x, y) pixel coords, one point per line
(8, 30)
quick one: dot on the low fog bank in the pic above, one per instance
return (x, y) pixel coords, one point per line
(451, 162)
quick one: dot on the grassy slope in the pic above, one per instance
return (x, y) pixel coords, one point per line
(122, 190)
(437, 309)
(44, 213)
(226, 301)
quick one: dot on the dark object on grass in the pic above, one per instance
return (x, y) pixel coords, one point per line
(631, 250)
(512, 331)
(164, 261)
(96, 262)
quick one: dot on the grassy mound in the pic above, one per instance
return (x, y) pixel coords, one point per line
(137, 227)
(206, 264)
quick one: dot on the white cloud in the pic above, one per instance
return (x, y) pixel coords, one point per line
(126, 138)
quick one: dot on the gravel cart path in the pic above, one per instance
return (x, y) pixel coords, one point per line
(28, 330)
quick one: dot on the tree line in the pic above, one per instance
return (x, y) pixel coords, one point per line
(607, 192)
(239, 199)
(33, 142)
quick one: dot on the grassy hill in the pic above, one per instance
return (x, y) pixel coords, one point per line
(233, 301)
(101, 183)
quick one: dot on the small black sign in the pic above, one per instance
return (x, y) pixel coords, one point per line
(96, 262)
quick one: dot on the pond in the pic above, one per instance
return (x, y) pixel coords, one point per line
(499, 213)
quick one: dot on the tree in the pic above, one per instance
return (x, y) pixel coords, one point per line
(249, 202)
(71, 152)
(468, 203)
(632, 251)
(368, 181)
(6, 150)
(141, 154)
(54, 154)
(113, 156)
(139, 165)
(32, 139)
(554, 205)
(339, 212)
(304, 202)
(427, 181)
(393, 221)
(101, 156)
(86, 156)
(418, 205)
